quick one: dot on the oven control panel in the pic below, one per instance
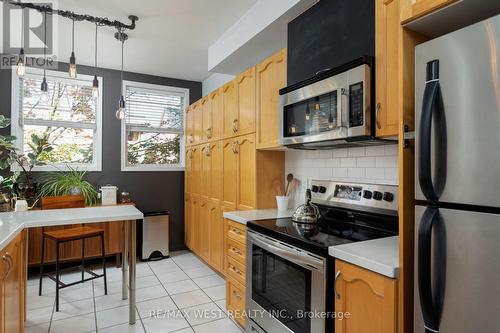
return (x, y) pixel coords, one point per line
(333, 193)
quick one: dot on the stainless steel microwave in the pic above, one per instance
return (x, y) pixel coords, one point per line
(334, 111)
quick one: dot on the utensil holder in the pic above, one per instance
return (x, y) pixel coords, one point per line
(282, 203)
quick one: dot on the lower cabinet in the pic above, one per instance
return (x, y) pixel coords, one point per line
(235, 267)
(13, 274)
(367, 299)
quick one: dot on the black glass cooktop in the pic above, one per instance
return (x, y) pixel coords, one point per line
(336, 227)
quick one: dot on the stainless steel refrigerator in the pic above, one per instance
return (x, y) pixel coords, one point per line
(457, 213)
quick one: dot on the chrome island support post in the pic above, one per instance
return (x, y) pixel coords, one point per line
(132, 268)
(125, 241)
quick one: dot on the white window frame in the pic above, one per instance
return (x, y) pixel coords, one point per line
(18, 132)
(184, 92)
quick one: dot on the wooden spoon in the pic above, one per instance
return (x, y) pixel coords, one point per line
(289, 179)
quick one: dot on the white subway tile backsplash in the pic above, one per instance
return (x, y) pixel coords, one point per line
(386, 162)
(375, 151)
(355, 152)
(365, 162)
(366, 165)
(348, 162)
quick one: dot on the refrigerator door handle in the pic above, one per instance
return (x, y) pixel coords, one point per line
(431, 301)
(432, 109)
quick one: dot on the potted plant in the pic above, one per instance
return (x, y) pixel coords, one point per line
(70, 182)
(24, 185)
(6, 158)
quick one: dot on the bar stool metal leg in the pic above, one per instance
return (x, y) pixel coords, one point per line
(41, 267)
(83, 260)
(104, 265)
(57, 276)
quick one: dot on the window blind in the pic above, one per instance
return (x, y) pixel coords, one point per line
(154, 110)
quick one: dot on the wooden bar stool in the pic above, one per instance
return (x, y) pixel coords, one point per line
(69, 235)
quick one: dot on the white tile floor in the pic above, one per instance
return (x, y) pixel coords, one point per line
(186, 294)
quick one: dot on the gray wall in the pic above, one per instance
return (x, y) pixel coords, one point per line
(151, 191)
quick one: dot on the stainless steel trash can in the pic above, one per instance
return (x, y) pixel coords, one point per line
(155, 244)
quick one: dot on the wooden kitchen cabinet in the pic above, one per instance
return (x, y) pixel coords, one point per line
(216, 109)
(368, 297)
(194, 222)
(12, 272)
(206, 119)
(229, 173)
(188, 165)
(387, 60)
(270, 78)
(189, 126)
(197, 122)
(203, 230)
(196, 168)
(230, 109)
(188, 229)
(246, 172)
(216, 234)
(214, 180)
(420, 8)
(245, 85)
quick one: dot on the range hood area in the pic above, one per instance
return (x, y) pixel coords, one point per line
(329, 101)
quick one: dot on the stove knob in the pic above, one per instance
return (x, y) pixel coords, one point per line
(322, 189)
(314, 188)
(388, 196)
(377, 195)
(367, 194)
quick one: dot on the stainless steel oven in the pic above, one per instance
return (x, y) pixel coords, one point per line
(284, 285)
(335, 110)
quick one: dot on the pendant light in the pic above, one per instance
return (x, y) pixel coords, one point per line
(95, 82)
(21, 65)
(44, 97)
(72, 59)
(120, 113)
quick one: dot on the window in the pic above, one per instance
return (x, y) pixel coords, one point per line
(70, 120)
(152, 131)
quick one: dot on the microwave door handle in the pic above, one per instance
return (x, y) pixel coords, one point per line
(344, 110)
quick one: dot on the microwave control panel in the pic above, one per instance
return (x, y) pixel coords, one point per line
(356, 107)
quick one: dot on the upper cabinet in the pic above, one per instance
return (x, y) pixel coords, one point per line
(245, 85)
(196, 109)
(270, 77)
(189, 123)
(387, 34)
(214, 129)
(421, 8)
(229, 109)
(206, 120)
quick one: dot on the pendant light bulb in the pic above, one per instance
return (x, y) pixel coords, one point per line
(95, 88)
(44, 88)
(120, 113)
(72, 66)
(72, 58)
(21, 65)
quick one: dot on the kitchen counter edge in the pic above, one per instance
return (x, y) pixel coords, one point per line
(244, 216)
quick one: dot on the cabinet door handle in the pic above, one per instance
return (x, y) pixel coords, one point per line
(377, 112)
(337, 275)
(235, 125)
(236, 149)
(238, 252)
(208, 133)
(7, 258)
(236, 294)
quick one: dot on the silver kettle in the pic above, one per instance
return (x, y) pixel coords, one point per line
(308, 212)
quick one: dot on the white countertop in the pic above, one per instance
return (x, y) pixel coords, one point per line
(377, 255)
(244, 216)
(11, 223)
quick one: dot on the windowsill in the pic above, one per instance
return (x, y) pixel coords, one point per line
(60, 168)
(149, 168)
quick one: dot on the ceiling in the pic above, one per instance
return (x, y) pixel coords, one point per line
(171, 37)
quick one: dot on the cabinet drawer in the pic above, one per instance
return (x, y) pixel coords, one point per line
(237, 231)
(235, 300)
(236, 270)
(236, 250)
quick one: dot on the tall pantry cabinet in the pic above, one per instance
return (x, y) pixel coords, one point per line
(224, 171)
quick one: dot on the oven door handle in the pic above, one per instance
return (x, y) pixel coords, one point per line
(296, 257)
